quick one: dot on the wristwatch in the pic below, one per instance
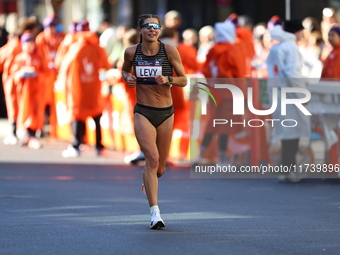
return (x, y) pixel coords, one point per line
(170, 80)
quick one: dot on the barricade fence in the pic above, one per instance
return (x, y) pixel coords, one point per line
(253, 116)
(230, 121)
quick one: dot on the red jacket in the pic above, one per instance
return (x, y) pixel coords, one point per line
(245, 40)
(224, 61)
(188, 55)
(331, 68)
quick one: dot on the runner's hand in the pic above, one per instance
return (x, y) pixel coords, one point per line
(160, 79)
(132, 81)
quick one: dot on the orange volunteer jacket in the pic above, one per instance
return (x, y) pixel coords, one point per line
(63, 48)
(83, 87)
(48, 44)
(7, 55)
(29, 88)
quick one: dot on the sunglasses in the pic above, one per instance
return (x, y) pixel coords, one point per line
(151, 25)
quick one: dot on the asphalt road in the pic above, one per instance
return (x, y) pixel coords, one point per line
(99, 209)
(91, 205)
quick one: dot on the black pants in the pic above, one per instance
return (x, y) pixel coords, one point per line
(3, 111)
(78, 130)
(289, 150)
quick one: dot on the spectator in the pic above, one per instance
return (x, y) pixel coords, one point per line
(329, 18)
(117, 47)
(206, 41)
(331, 71)
(107, 36)
(85, 59)
(69, 38)
(48, 42)
(188, 54)
(223, 61)
(331, 68)
(3, 41)
(173, 20)
(285, 65)
(7, 54)
(169, 36)
(28, 72)
(188, 51)
(244, 38)
(3, 36)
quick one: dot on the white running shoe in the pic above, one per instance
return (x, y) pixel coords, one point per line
(70, 152)
(10, 140)
(156, 220)
(134, 158)
(34, 143)
(144, 191)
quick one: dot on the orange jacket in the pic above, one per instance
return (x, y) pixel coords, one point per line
(83, 87)
(48, 44)
(63, 48)
(331, 66)
(7, 55)
(30, 89)
(188, 55)
(224, 61)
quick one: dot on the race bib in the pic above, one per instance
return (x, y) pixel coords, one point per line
(147, 70)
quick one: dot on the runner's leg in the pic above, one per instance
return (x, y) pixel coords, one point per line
(164, 134)
(146, 136)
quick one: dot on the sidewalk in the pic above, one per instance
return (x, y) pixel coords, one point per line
(51, 152)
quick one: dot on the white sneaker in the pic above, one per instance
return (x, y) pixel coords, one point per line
(10, 140)
(144, 191)
(134, 158)
(156, 220)
(34, 144)
(70, 152)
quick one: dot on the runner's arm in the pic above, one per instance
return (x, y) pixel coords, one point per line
(127, 67)
(180, 80)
